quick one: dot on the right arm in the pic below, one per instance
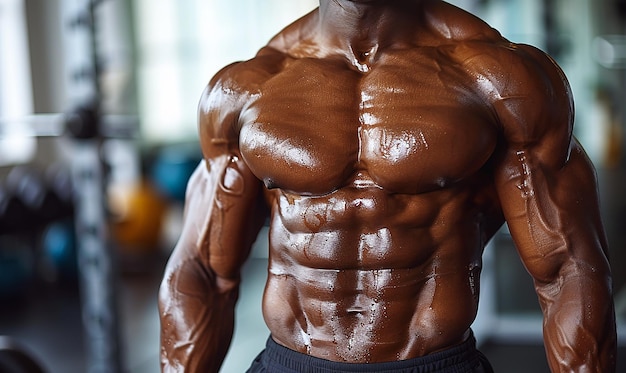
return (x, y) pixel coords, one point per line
(223, 214)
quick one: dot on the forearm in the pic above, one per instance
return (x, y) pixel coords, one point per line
(197, 318)
(579, 323)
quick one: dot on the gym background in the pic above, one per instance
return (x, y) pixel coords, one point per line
(98, 137)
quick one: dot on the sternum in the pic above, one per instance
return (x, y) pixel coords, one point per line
(360, 146)
(365, 119)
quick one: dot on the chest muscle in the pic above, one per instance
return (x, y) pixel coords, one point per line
(412, 127)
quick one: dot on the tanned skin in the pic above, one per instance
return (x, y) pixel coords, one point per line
(387, 141)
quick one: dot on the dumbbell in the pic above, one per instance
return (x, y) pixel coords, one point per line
(30, 198)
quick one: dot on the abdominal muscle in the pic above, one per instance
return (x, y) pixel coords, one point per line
(362, 276)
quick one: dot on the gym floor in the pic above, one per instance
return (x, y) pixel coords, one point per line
(46, 321)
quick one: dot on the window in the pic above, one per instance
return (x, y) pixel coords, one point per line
(182, 44)
(15, 85)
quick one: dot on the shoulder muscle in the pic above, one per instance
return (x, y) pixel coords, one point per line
(527, 92)
(227, 94)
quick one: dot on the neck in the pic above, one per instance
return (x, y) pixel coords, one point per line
(361, 28)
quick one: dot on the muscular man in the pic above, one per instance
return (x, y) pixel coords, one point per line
(388, 141)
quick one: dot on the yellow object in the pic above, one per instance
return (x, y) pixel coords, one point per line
(139, 213)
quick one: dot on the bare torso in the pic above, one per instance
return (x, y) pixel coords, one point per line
(389, 139)
(380, 204)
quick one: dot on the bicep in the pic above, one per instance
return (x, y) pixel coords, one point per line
(223, 214)
(552, 212)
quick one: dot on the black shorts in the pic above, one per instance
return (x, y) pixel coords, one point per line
(464, 358)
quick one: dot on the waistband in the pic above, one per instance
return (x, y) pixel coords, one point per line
(462, 358)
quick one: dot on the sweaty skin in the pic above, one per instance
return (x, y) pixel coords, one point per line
(387, 141)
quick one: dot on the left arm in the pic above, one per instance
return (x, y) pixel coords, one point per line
(548, 191)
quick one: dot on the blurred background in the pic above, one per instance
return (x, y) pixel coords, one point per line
(98, 138)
